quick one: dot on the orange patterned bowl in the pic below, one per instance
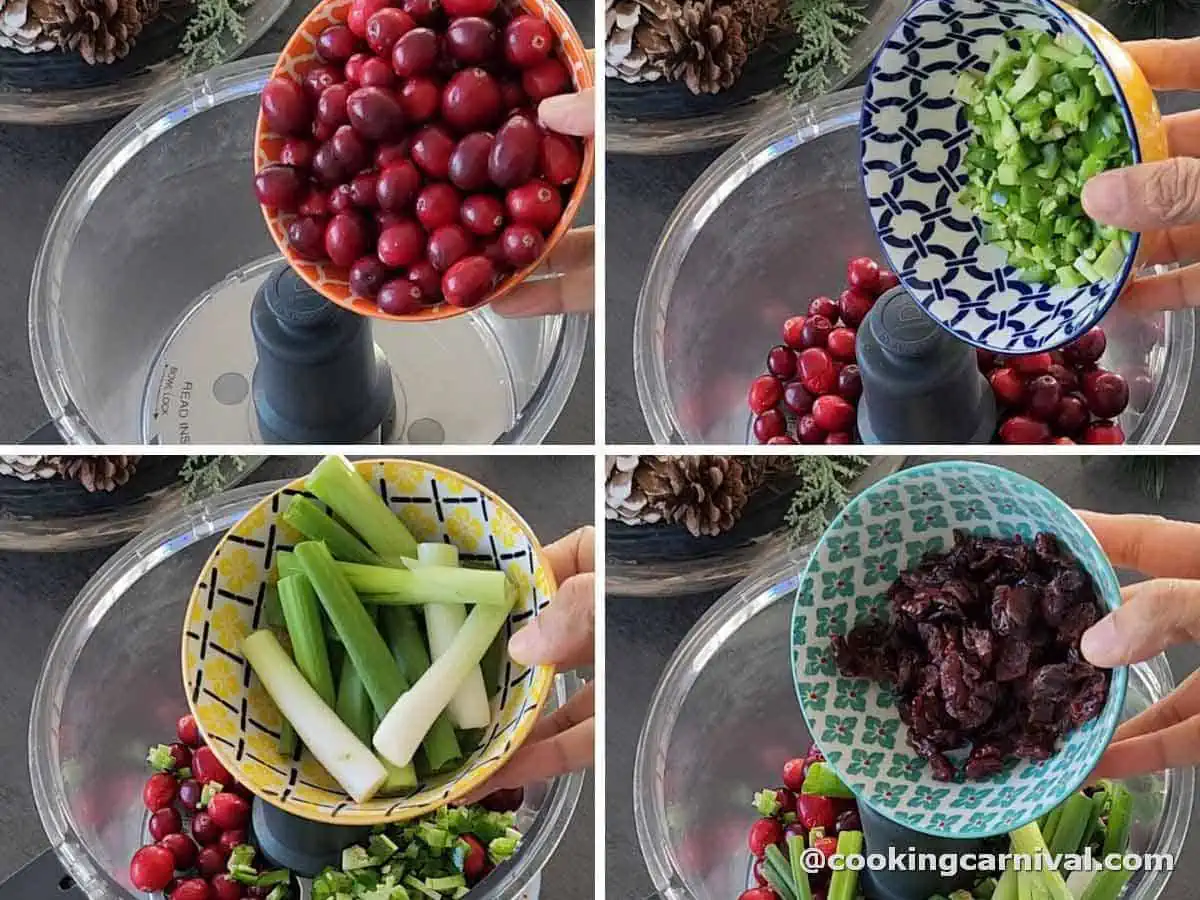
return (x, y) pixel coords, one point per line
(331, 281)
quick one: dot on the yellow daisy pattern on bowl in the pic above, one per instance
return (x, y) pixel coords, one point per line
(238, 718)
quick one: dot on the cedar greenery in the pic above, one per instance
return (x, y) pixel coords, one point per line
(206, 475)
(213, 27)
(824, 483)
(825, 27)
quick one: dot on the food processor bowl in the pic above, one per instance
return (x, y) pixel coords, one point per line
(770, 225)
(110, 689)
(724, 719)
(157, 347)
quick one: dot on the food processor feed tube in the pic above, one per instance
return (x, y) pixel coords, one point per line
(319, 378)
(306, 848)
(920, 384)
(880, 833)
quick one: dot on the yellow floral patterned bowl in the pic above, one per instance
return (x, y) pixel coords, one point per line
(240, 721)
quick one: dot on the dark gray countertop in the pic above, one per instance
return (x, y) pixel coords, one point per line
(35, 164)
(641, 636)
(553, 493)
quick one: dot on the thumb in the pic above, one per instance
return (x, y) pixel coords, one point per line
(570, 113)
(563, 634)
(1153, 616)
(1148, 197)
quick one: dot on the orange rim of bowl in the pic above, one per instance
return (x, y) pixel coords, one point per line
(465, 781)
(330, 281)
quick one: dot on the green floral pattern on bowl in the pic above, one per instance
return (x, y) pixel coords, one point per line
(854, 720)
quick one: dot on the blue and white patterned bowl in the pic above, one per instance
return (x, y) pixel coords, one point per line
(888, 528)
(913, 140)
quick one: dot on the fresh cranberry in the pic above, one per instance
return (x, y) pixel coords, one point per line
(769, 424)
(763, 834)
(468, 281)
(513, 94)
(375, 113)
(331, 107)
(415, 53)
(336, 44)
(280, 187)
(424, 11)
(522, 245)
(424, 276)
(328, 169)
(758, 893)
(192, 889)
(515, 154)
(534, 203)
(809, 431)
(315, 203)
(341, 199)
(1032, 363)
(985, 359)
(386, 27)
(233, 839)
(364, 190)
(229, 811)
(322, 131)
(397, 186)
(816, 331)
(400, 297)
(781, 361)
(887, 280)
(420, 98)
(360, 14)
(849, 382)
(349, 149)
(401, 244)
(840, 343)
(793, 332)
(528, 41)
(438, 205)
(431, 149)
(469, 161)
(164, 822)
(506, 800)
(205, 830)
(827, 846)
(377, 73)
(472, 40)
(797, 398)
(390, 154)
(1066, 378)
(781, 439)
(354, 66)
(225, 888)
(853, 306)
(545, 79)
(839, 437)
(1103, 432)
(483, 214)
(1024, 430)
(848, 820)
(447, 245)
(560, 160)
(1008, 386)
(824, 306)
(159, 792)
(474, 860)
(759, 878)
(182, 848)
(286, 108)
(346, 238)
(319, 78)
(306, 236)
(862, 274)
(1087, 348)
(1043, 395)
(297, 152)
(471, 100)
(786, 799)
(793, 774)
(765, 393)
(815, 811)
(1072, 415)
(152, 869)
(816, 370)
(1107, 394)
(833, 413)
(190, 792)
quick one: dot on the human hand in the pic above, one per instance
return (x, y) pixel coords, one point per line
(1160, 199)
(563, 635)
(574, 259)
(1153, 616)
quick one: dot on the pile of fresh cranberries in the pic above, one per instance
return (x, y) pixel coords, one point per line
(192, 845)
(810, 391)
(809, 394)
(412, 155)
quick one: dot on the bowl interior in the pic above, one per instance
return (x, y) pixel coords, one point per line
(299, 56)
(239, 719)
(913, 167)
(879, 533)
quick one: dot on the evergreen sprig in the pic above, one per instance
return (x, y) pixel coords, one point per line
(825, 28)
(824, 484)
(204, 476)
(213, 27)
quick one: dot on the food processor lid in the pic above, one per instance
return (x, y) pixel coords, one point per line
(902, 327)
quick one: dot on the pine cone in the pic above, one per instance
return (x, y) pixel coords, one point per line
(99, 473)
(29, 26)
(713, 49)
(637, 32)
(705, 494)
(624, 501)
(103, 31)
(29, 468)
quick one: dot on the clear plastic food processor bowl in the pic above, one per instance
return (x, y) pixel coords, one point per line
(769, 226)
(724, 719)
(140, 302)
(110, 689)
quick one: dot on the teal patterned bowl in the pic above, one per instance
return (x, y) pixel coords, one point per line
(855, 721)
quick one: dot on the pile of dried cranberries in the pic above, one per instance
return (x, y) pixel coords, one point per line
(413, 156)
